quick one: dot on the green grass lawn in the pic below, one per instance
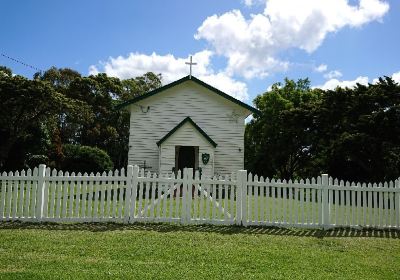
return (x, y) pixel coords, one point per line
(110, 251)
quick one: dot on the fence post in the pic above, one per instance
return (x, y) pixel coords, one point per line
(184, 194)
(128, 192)
(132, 207)
(241, 184)
(40, 191)
(325, 201)
(189, 194)
(243, 196)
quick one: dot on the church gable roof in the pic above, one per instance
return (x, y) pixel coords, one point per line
(197, 81)
(187, 120)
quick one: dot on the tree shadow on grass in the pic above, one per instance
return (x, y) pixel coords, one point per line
(220, 229)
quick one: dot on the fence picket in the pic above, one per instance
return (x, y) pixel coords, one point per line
(262, 200)
(380, 206)
(109, 183)
(397, 202)
(85, 196)
(272, 201)
(376, 206)
(195, 197)
(214, 196)
(141, 186)
(385, 207)
(20, 213)
(224, 195)
(207, 187)
(307, 206)
(3, 196)
(250, 198)
(78, 197)
(392, 222)
(71, 195)
(66, 184)
(102, 197)
(165, 189)
(121, 184)
(358, 206)
(52, 191)
(370, 209)
(59, 196)
(318, 200)
(255, 197)
(171, 202)
(159, 201)
(290, 203)
(364, 204)
(96, 195)
(201, 213)
(302, 204)
(152, 196)
(89, 212)
(232, 200)
(14, 197)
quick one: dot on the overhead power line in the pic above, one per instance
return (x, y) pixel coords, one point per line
(21, 62)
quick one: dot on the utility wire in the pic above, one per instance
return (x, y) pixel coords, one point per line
(20, 62)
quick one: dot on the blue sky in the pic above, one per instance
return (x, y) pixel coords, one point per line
(241, 46)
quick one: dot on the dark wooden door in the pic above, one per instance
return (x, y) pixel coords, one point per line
(186, 157)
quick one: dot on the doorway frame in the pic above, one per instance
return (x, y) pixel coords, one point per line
(196, 156)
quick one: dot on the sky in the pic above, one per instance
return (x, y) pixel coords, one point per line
(241, 47)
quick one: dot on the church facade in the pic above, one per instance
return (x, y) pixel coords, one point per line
(187, 123)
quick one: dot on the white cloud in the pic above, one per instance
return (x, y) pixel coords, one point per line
(136, 64)
(396, 77)
(334, 83)
(321, 68)
(172, 68)
(252, 45)
(227, 84)
(333, 74)
(250, 3)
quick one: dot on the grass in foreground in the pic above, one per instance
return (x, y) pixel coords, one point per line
(110, 251)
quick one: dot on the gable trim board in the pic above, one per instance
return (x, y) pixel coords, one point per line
(187, 119)
(197, 81)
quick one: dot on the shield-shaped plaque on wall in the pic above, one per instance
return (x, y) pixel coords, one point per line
(205, 158)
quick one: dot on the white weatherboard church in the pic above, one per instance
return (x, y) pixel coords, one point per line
(187, 123)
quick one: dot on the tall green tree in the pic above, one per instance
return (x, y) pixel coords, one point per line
(25, 106)
(275, 146)
(98, 124)
(357, 132)
(352, 134)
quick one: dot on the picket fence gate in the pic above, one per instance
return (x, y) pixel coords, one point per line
(130, 196)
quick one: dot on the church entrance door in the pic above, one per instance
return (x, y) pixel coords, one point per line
(186, 157)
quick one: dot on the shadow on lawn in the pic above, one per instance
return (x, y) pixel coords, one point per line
(103, 227)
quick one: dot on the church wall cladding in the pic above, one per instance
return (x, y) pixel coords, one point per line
(221, 119)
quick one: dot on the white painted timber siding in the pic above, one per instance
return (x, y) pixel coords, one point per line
(211, 112)
(186, 135)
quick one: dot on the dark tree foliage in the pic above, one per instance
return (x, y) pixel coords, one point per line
(39, 117)
(351, 134)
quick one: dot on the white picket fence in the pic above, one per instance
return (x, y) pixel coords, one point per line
(132, 196)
